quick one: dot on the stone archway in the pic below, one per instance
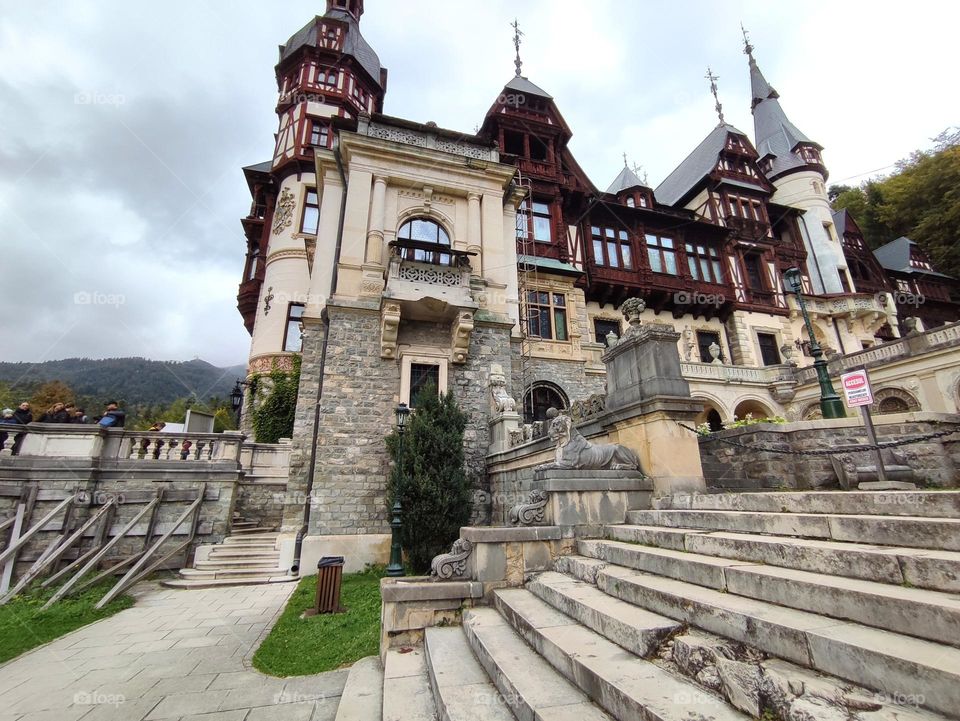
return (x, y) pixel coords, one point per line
(539, 397)
(894, 400)
(712, 413)
(753, 407)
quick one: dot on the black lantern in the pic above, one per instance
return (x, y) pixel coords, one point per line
(396, 551)
(830, 404)
(236, 396)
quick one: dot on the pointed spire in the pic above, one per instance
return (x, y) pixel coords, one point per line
(713, 89)
(517, 34)
(762, 90)
(747, 47)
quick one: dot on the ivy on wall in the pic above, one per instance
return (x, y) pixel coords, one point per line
(273, 418)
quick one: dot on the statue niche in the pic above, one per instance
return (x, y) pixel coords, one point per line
(574, 452)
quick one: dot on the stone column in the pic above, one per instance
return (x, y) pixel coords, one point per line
(474, 243)
(647, 399)
(377, 221)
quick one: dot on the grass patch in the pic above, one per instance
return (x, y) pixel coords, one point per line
(24, 626)
(300, 646)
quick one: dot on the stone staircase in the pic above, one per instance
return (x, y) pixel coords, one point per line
(247, 556)
(815, 606)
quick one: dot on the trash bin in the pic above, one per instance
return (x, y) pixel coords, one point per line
(329, 577)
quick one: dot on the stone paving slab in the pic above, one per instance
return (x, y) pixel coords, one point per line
(177, 655)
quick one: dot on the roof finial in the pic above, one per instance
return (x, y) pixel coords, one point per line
(636, 171)
(625, 161)
(517, 34)
(713, 89)
(747, 47)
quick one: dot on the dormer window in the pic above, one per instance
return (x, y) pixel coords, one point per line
(810, 154)
(429, 240)
(630, 203)
(739, 206)
(327, 78)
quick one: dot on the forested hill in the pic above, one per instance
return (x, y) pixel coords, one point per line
(133, 381)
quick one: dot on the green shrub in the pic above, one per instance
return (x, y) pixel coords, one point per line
(273, 418)
(435, 493)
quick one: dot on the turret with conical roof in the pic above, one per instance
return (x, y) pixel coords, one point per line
(791, 161)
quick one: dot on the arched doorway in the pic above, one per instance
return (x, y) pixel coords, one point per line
(540, 397)
(710, 415)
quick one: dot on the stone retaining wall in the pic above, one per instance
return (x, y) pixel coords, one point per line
(746, 467)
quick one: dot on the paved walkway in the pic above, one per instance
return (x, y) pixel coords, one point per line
(175, 655)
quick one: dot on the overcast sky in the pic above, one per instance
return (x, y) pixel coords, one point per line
(124, 125)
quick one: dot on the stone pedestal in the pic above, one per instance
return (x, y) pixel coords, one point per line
(647, 398)
(584, 502)
(500, 427)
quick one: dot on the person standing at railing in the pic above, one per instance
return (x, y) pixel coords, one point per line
(57, 413)
(22, 416)
(112, 416)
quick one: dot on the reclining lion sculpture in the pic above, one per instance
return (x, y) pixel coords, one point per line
(574, 452)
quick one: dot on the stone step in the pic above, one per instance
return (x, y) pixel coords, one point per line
(229, 572)
(221, 582)
(228, 554)
(406, 687)
(225, 563)
(928, 504)
(888, 662)
(254, 530)
(362, 697)
(923, 568)
(251, 540)
(907, 531)
(626, 687)
(633, 628)
(462, 691)
(530, 686)
(917, 612)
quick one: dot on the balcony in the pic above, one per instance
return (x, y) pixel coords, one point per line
(437, 274)
(748, 228)
(854, 305)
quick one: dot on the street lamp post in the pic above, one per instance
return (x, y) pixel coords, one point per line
(396, 551)
(236, 397)
(830, 404)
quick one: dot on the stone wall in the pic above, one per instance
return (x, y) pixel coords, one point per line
(746, 467)
(570, 376)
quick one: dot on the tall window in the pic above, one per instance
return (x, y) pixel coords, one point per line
(293, 336)
(751, 264)
(704, 263)
(311, 212)
(611, 247)
(749, 208)
(319, 134)
(421, 376)
(253, 259)
(547, 315)
(704, 340)
(534, 220)
(769, 353)
(661, 253)
(424, 231)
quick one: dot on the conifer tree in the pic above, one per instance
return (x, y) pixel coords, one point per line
(435, 493)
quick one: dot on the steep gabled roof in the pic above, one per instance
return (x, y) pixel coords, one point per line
(520, 84)
(353, 44)
(626, 179)
(895, 256)
(695, 166)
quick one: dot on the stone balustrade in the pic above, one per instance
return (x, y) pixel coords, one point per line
(759, 375)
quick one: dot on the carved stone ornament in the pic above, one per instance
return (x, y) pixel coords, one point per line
(502, 402)
(593, 405)
(714, 351)
(531, 512)
(631, 309)
(452, 565)
(389, 325)
(283, 216)
(460, 340)
(574, 452)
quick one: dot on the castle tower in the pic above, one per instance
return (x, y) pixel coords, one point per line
(793, 163)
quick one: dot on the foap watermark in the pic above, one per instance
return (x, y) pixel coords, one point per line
(902, 297)
(301, 97)
(95, 98)
(98, 698)
(85, 297)
(915, 700)
(513, 100)
(695, 297)
(899, 499)
(291, 696)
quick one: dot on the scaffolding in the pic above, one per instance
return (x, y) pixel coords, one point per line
(527, 285)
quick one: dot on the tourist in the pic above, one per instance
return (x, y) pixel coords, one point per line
(79, 416)
(57, 413)
(112, 416)
(23, 414)
(6, 419)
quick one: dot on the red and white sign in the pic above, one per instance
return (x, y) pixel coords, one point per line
(856, 387)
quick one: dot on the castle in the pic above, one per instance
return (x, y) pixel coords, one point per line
(391, 254)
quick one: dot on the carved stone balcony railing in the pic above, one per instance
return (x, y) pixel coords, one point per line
(425, 270)
(856, 305)
(443, 140)
(756, 375)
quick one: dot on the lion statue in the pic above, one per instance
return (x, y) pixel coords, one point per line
(574, 452)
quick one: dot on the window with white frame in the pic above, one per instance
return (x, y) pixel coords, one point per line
(418, 371)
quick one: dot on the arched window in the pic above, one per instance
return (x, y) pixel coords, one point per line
(421, 240)
(540, 398)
